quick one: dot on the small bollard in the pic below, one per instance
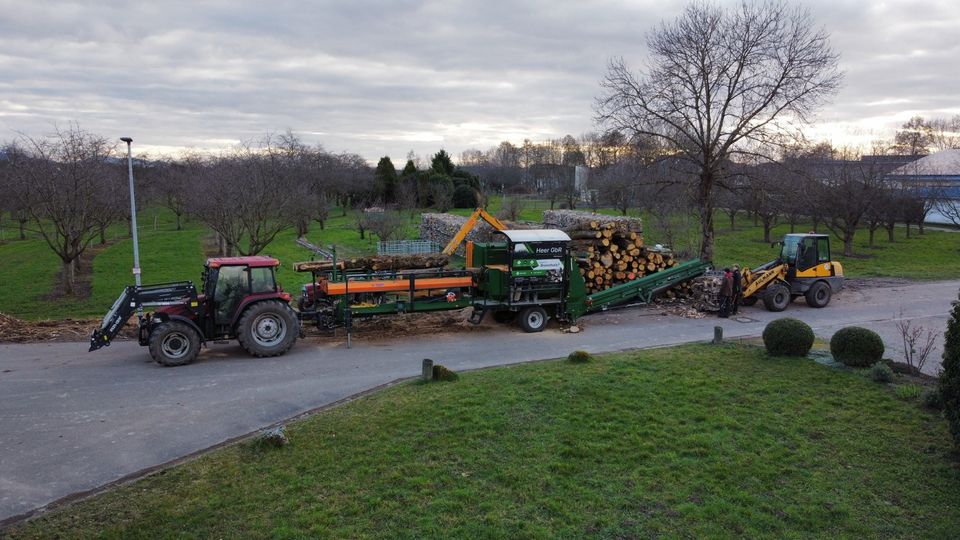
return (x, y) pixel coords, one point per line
(427, 374)
(717, 335)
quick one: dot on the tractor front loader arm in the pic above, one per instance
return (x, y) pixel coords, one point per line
(133, 298)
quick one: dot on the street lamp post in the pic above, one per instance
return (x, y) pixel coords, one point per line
(133, 217)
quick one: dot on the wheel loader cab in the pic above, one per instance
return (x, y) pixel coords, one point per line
(808, 256)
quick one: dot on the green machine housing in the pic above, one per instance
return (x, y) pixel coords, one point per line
(534, 276)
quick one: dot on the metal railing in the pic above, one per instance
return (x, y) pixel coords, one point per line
(407, 247)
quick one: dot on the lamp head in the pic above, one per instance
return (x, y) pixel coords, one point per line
(127, 140)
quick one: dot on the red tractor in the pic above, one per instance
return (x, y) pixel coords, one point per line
(241, 300)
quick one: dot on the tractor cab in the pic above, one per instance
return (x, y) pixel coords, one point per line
(231, 283)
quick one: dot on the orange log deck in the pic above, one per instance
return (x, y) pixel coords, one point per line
(395, 285)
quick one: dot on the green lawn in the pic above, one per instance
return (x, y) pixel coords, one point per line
(688, 442)
(28, 268)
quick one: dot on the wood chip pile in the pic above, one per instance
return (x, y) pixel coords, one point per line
(379, 263)
(440, 228)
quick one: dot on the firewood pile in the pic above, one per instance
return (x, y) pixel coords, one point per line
(440, 228)
(378, 263)
(705, 291)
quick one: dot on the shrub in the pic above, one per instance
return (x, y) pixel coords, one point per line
(579, 357)
(856, 346)
(464, 197)
(788, 337)
(441, 373)
(950, 376)
(881, 373)
(932, 399)
(908, 391)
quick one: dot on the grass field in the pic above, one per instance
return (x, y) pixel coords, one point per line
(29, 269)
(691, 442)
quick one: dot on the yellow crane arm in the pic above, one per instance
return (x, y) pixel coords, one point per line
(471, 222)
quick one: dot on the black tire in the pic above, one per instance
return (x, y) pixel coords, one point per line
(748, 301)
(174, 343)
(818, 295)
(777, 298)
(533, 319)
(505, 316)
(268, 328)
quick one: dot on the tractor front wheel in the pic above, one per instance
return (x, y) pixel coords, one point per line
(818, 295)
(777, 298)
(174, 343)
(533, 319)
(268, 329)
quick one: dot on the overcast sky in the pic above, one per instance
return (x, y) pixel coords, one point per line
(383, 78)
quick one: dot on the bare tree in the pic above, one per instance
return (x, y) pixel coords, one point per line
(722, 81)
(848, 191)
(617, 184)
(918, 342)
(387, 225)
(69, 178)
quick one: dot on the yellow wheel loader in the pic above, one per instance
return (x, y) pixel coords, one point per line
(803, 268)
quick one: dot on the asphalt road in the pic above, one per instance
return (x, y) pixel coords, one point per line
(72, 421)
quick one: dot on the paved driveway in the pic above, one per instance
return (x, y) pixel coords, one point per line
(72, 421)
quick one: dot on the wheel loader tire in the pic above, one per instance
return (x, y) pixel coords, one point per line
(268, 328)
(748, 301)
(505, 316)
(533, 319)
(174, 343)
(819, 294)
(777, 298)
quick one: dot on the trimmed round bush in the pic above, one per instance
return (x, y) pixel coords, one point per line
(788, 337)
(856, 346)
(881, 373)
(579, 357)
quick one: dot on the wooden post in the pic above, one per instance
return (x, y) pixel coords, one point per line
(427, 373)
(717, 335)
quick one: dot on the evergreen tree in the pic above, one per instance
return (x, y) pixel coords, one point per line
(442, 163)
(950, 376)
(386, 180)
(409, 169)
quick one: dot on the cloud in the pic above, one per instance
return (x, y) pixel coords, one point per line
(385, 77)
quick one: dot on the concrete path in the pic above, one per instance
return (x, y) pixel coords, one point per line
(72, 421)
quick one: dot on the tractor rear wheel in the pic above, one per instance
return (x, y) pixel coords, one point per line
(777, 298)
(504, 316)
(818, 295)
(533, 319)
(267, 328)
(174, 343)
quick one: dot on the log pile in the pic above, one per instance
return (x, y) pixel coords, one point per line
(379, 263)
(440, 228)
(570, 220)
(610, 253)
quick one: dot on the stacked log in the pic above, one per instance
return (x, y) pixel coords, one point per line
(379, 263)
(571, 220)
(440, 228)
(610, 253)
